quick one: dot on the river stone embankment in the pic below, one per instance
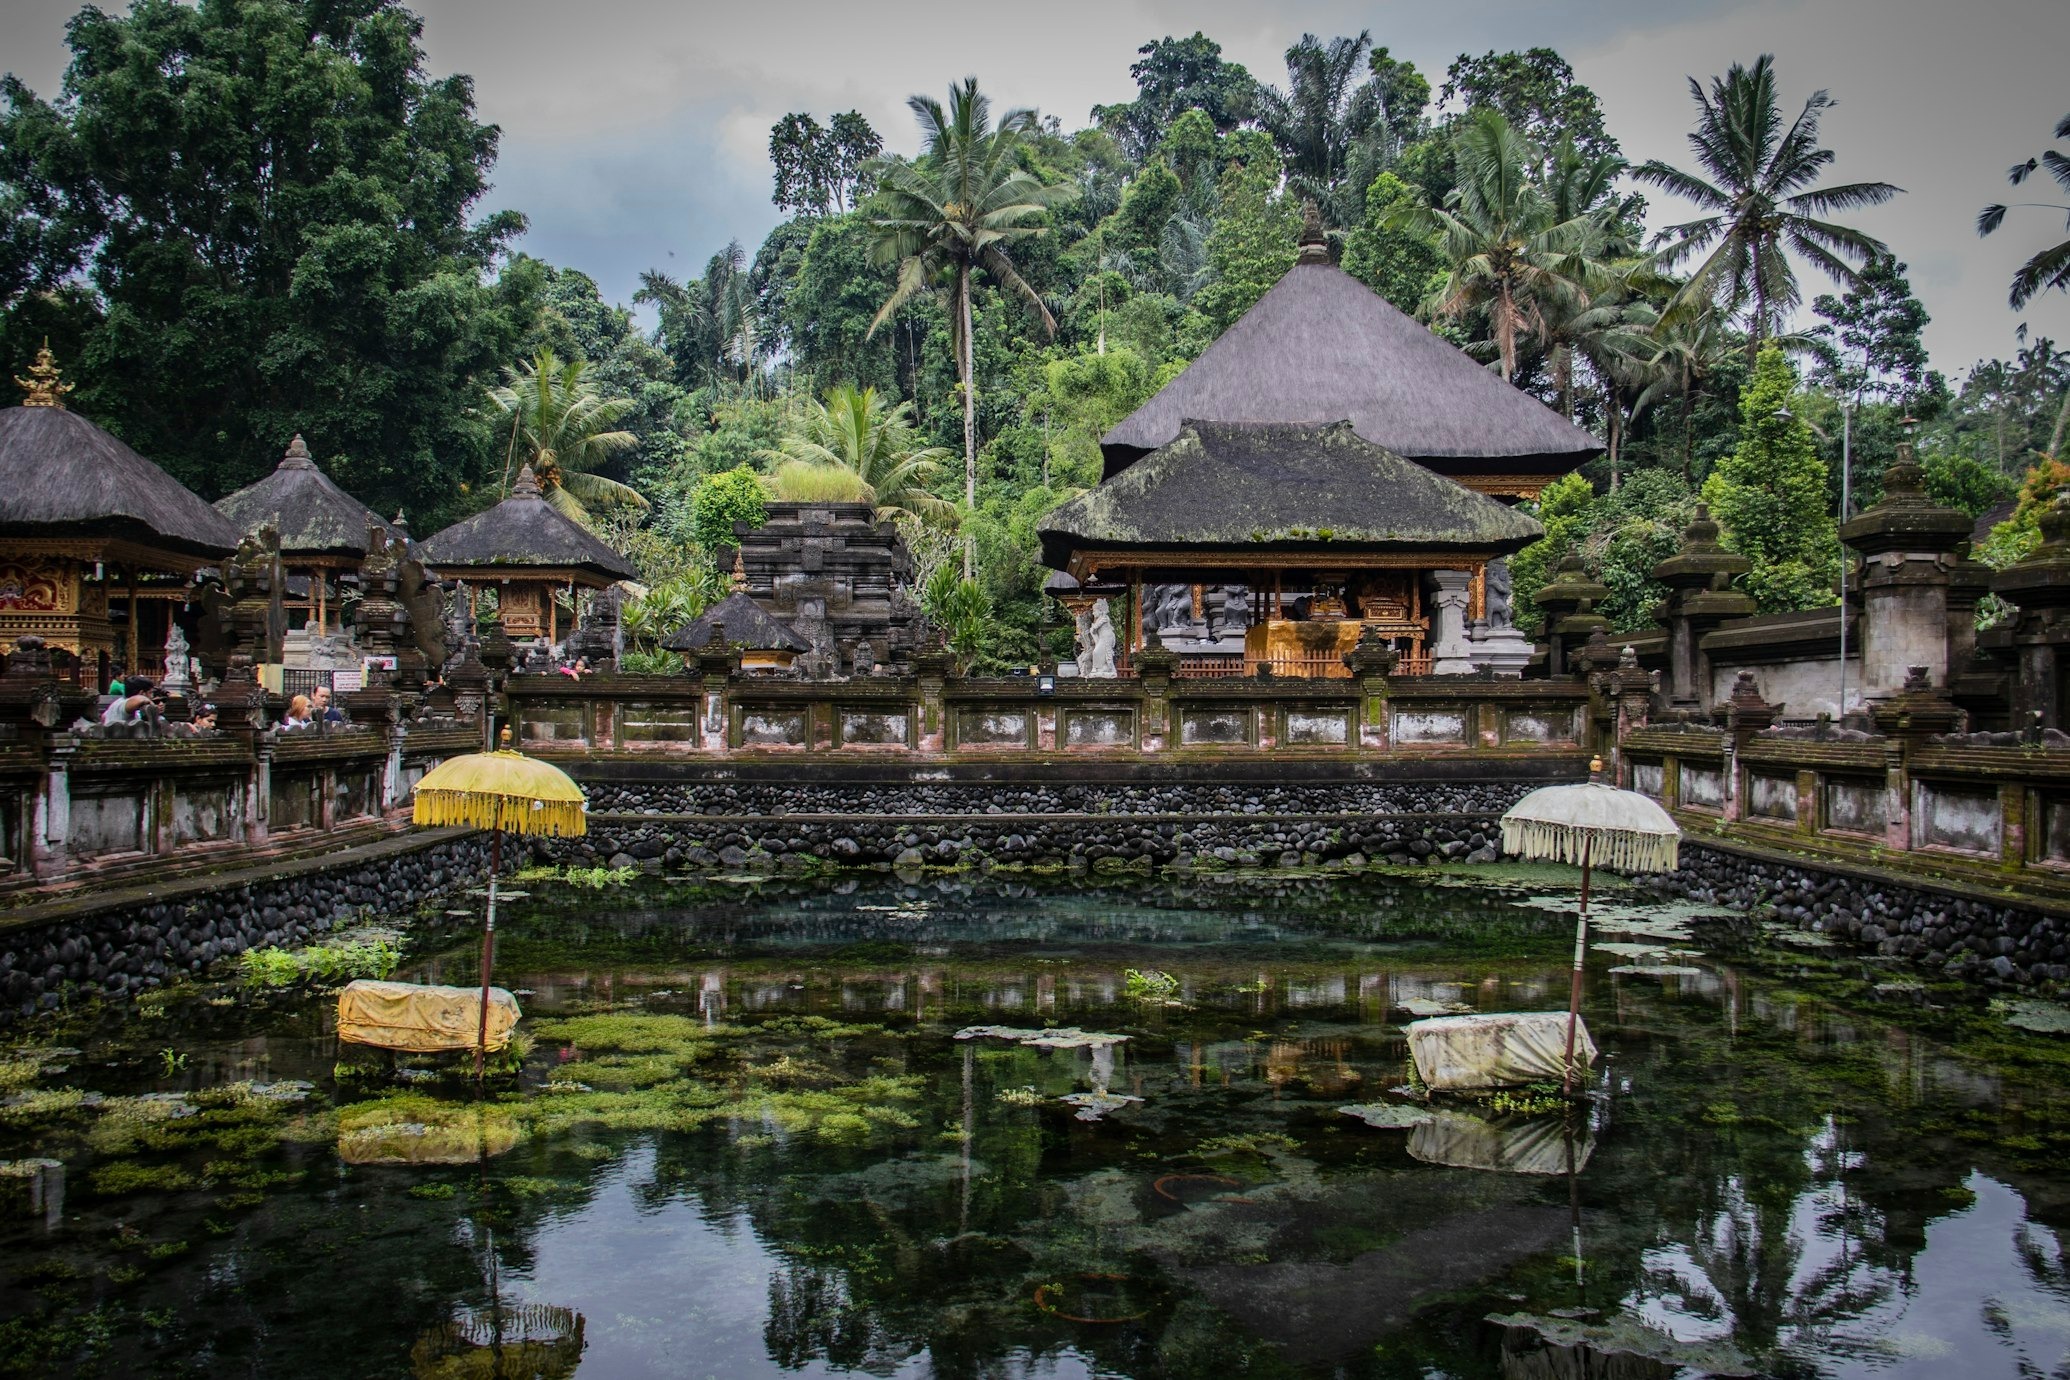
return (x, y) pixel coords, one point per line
(122, 950)
(1981, 940)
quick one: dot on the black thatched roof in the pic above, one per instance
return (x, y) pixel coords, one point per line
(1321, 345)
(1267, 486)
(313, 515)
(736, 621)
(62, 476)
(522, 531)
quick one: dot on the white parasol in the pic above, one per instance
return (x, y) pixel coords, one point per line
(1592, 825)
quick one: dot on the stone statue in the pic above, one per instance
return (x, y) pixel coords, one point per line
(1498, 604)
(1096, 648)
(179, 661)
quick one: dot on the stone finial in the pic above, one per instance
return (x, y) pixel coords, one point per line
(740, 570)
(297, 457)
(402, 527)
(1702, 532)
(1904, 481)
(43, 387)
(1918, 680)
(1314, 245)
(527, 485)
(1628, 659)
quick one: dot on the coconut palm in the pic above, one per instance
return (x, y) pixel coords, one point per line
(561, 426)
(853, 433)
(2051, 267)
(1757, 190)
(1509, 247)
(956, 212)
(1324, 111)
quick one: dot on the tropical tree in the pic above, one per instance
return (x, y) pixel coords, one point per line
(1507, 247)
(853, 432)
(2051, 267)
(560, 425)
(1758, 191)
(954, 213)
(1324, 111)
(1770, 496)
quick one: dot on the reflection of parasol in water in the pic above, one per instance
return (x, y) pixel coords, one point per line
(531, 1341)
(1594, 825)
(499, 791)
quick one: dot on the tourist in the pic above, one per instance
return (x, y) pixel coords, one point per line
(297, 715)
(205, 719)
(577, 669)
(320, 703)
(135, 703)
(115, 684)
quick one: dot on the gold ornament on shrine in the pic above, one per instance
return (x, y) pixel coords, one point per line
(43, 387)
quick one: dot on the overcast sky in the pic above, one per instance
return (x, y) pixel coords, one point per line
(635, 132)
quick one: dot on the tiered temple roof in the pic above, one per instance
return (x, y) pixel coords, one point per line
(524, 535)
(315, 518)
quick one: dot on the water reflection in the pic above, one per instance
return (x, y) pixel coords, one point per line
(1778, 1175)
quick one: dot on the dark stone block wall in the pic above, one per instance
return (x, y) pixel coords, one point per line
(673, 826)
(124, 951)
(1975, 939)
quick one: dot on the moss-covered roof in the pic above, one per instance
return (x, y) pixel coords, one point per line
(522, 531)
(62, 476)
(1275, 487)
(736, 621)
(1320, 345)
(312, 514)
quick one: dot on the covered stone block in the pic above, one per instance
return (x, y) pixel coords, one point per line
(1497, 1050)
(419, 1019)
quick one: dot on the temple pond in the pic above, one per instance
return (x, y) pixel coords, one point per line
(745, 1140)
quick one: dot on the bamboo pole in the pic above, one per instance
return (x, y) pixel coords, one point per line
(1580, 951)
(481, 1033)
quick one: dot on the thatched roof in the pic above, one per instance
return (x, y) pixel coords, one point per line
(736, 621)
(1321, 345)
(62, 476)
(313, 515)
(1271, 487)
(523, 531)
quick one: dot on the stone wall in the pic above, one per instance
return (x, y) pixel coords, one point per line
(1976, 939)
(995, 798)
(123, 950)
(669, 826)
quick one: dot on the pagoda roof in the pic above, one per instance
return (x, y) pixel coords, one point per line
(1274, 487)
(312, 514)
(62, 476)
(1319, 346)
(523, 532)
(736, 620)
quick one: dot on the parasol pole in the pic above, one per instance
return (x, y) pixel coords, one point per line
(481, 1034)
(1588, 838)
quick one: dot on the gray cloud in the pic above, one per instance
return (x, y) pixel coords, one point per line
(634, 129)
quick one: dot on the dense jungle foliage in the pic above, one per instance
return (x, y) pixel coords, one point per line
(242, 219)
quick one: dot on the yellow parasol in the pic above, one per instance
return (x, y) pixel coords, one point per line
(1591, 824)
(499, 791)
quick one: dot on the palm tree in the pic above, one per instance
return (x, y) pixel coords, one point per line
(1509, 247)
(1760, 202)
(560, 425)
(1324, 111)
(854, 433)
(2051, 267)
(957, 211)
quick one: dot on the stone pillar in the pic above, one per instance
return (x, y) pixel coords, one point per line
(1371, 662)
(1699, 578)
(2040, 586)
(259, 790)
(1910, 547)
(1745, 713)
(1450, 593)
(1154, 728)
(1568, 602)
(933, 665)
(54, 810)
(716, 668)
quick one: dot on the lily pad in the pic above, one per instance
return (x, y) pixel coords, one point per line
(1625, 1337)
(1424, 1006)
(2041, 1017)
(1658, 970)
(1059, 1037)
(1388, 1116)
(1092, 1106)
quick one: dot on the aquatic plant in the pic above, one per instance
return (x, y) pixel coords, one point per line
(412, 1128)
(127, 1176)
(1150, 985)
(594, 878)
(339, 960)
(1532, 1100)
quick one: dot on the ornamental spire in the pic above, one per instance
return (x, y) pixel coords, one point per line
(43, 388)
